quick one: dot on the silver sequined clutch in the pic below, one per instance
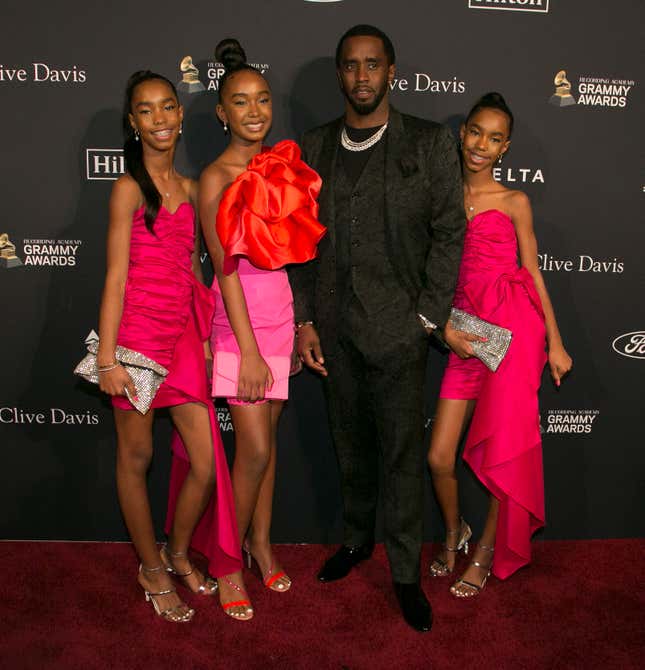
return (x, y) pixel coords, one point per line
(491, 353)
(146, 375)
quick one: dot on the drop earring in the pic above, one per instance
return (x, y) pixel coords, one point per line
(136, 135)
(499, 159)
(225, 128)
(181, 127)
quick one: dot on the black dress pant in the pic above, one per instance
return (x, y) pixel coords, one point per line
(375, 395)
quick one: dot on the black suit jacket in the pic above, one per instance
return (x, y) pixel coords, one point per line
(424, 216)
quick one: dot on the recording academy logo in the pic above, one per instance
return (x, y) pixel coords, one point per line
(104, 164)
(541, 6)
(42, 73)
(190, 82)
(631, 345)
(53, 416)
(570, 421)
(216, 70)
(8, 258)
(581, 263)
(592, 91)
(562, 96)
(51, 253)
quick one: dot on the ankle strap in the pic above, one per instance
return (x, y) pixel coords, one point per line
(156, 569)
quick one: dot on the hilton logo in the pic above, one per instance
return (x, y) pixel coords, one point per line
(511, 5)
(104, 164)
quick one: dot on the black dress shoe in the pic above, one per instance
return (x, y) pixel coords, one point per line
(414, 605)
(339, 565)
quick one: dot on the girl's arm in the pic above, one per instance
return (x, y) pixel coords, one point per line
(193, 196)
(520, 209)
(124, 200)
(255, 376)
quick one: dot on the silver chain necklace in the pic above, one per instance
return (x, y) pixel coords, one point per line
(350, 145)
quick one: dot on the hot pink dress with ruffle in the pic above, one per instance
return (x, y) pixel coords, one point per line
(503, 446)
(167, 316)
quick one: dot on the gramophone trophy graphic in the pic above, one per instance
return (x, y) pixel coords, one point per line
(8, 258)
(190, 81)
(562, 96)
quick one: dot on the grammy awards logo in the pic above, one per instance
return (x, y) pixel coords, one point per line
(562, 96)
(190, 82)
(8, 258)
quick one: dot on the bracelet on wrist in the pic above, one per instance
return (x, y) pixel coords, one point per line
(107, 368)
(300, 324)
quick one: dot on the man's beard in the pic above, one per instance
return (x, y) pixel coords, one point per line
(365, 108)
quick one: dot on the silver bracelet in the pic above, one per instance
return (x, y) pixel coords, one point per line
(300, 324)
(107, 368)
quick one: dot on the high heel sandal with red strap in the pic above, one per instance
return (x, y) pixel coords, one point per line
(269, 579)
(244, 602)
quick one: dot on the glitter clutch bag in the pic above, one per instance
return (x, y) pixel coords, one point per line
(491, 353)
(146, 375)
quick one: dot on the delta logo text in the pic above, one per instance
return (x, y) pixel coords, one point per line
(514, 175)
(592, 91)
(42, 73)
(215, 71)
(581, 263)
(570, 421)
(541, 6)
(54, 416)
(425, 82)
(631, 344)
(104, 164)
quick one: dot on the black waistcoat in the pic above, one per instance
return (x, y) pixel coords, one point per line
(363, 267)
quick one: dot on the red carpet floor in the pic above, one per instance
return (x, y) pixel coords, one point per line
(77, 605)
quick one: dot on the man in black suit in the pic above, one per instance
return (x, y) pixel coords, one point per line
(392, 201)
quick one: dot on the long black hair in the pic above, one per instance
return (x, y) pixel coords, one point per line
(492, 100)
(133, 151)
(230, 54)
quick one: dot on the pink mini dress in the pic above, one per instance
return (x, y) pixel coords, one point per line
(267, 219)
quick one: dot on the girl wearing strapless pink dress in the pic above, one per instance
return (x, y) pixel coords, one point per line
(503, 446)
(154, 303)
(258, 212)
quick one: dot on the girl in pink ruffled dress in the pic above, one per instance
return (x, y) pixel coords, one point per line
(154, 303)
(259, 212)
(503, 446)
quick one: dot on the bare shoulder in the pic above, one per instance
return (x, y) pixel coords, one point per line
(126, 193)
(190, 188)
(218, 175)
(517, 204)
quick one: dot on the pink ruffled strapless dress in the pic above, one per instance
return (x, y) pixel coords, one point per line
(167, 316)
(503, 446)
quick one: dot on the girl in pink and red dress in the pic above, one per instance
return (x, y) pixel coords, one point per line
(155, 303)
(503, 446)
(259, 213)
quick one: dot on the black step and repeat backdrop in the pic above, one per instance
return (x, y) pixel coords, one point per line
(570, 69)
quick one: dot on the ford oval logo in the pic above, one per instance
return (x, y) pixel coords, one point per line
(631, 345)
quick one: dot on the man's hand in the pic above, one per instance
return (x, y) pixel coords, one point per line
(309, 349)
